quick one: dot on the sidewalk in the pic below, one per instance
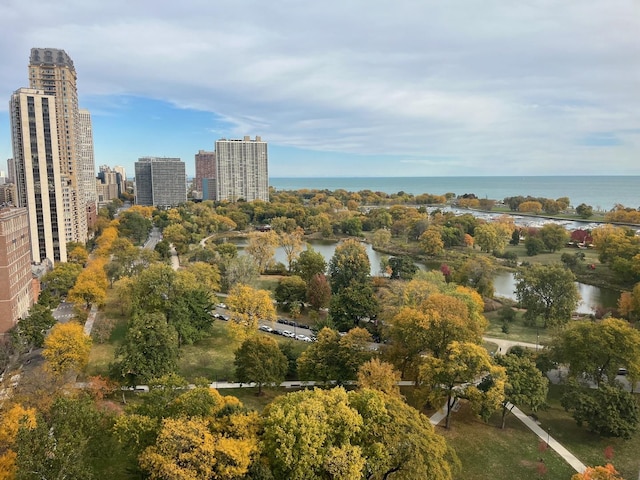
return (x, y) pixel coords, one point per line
(568, 457)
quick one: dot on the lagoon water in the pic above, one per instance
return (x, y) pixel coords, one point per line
(601, 192)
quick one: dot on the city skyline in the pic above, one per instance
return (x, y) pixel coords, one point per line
(357, 89)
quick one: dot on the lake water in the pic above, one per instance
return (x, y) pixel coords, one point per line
(504, 284)
(601, 192)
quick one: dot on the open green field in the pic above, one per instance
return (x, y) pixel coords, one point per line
(518, 331)
(588, 447)
(486, 451)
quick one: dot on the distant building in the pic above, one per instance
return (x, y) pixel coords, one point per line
(160, 181)
(38, 177)
(205, 168)
(16, 283)
(8, 194)
(241, 170)
(11, 170)
(87, 167)
(109, 185)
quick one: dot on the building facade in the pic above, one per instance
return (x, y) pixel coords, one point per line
(87, 167)
(52, 71)
(109, 185)
(242, 170)
(16, 283)
(205, 168)
(38, 178)
(160, 181)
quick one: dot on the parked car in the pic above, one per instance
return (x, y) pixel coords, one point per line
(622, 371)
(288, 334)
(221, 305)
(265, 328)
(224, 317)
(283, 321)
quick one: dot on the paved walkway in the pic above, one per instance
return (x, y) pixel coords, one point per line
(505, 345)
(88, 325)
(531, 424)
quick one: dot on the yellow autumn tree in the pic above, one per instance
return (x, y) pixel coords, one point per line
(187, 449)
(91, 285)
(248, 306)
(14, 418)
(66, 349)
(380, 376)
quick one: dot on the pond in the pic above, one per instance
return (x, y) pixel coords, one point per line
(592, 297)
(327, 248)
(504, 282)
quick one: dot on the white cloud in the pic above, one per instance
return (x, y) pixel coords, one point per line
(481, 84)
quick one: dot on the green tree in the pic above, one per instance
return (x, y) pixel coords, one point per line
(61, 279)
(548, 292)
(554, 236)
(607, 411)
(584, 210)
(30, 331)
(73, 440)
(190, 314)
(149, 349)
(525, 385)
(291, 289)
(402, 267)
(398, 441)
(349, 265)
(308, 264)
(533, 245)
(352, 304)
(599, 349)
(335, 358)
(311, 435)
(134, 226)
(260, 360)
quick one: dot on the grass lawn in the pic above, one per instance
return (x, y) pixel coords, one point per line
(517, 329)
(486, 451)
(588, 447)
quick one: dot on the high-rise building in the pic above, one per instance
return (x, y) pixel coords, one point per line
(8, 194)
(87, 166)
(38, 178)
(242, 170)
(160, 181)
(205, 168)
(16, 285)
(52, 71)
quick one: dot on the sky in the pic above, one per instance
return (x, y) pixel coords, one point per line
(348, 88)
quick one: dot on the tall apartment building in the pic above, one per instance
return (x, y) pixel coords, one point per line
(87, 166)
(205, 168)
(52, 71)
(160, 181)
(16, 285)
(38, 178)
(242, 170)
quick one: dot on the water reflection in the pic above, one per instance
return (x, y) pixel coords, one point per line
(592, 297)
